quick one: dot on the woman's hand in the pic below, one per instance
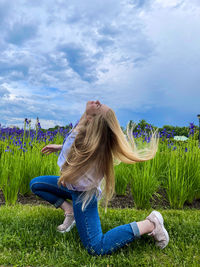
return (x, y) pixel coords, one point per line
(51, 148)
(63, 184)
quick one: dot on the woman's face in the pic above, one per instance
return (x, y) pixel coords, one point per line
(95, 107)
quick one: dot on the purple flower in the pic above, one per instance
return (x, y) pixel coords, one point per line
(191, 125)
(186, 149)
(192, 128)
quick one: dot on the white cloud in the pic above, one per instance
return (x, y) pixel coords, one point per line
(45, 124)
(169, 3)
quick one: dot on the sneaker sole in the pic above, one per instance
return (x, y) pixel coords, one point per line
(68, 229)
(160, 219)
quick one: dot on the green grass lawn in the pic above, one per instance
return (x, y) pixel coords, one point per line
(28, 237)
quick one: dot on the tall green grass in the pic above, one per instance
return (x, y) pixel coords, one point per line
(17, 168)
(122, 177)
(144, 183)
(183, 179)
(173, 170)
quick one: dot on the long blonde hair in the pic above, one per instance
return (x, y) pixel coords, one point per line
(102, 143)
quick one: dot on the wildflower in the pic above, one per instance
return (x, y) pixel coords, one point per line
(191, 125)
(192, 128)
(186, 149)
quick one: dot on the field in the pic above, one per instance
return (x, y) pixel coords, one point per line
(28, 237)
(173, 175)
(28, 234)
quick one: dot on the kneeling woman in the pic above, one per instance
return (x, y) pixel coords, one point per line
(87, 156)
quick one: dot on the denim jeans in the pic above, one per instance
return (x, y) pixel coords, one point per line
(87, 221)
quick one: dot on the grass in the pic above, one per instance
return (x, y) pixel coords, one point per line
(172, 169)
(28, 237)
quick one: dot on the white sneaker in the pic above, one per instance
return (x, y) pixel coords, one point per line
(68, 224)
(159, 233)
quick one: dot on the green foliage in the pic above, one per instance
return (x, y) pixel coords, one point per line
(140, 126)
(142, 123)
(173, 170)
(17, 168)
(68, 127)
(122, 177)
(183, 178)
(180, 131)
(144, 183)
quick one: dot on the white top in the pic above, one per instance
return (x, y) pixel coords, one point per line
(65, 148)
(90, 179)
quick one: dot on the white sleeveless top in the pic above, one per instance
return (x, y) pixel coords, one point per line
(90, 180)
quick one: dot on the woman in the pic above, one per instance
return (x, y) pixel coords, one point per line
(88, 155)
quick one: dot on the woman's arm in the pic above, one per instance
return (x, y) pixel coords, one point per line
(51, 148)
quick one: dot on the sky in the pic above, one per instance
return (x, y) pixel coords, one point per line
(140, 58)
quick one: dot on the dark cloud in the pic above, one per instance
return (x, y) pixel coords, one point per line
(109, 30)
(73, 18)
(55, 62)
(30, 108)
(104, 70)
(105, 42)
(79, 60)
(140, 3)
(19, 33)
(20, 70)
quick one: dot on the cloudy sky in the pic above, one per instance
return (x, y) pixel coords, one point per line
(139, 57)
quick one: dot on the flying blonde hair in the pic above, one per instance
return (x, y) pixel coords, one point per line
(102, 143)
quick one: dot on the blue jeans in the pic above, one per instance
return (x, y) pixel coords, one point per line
(87, 221)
